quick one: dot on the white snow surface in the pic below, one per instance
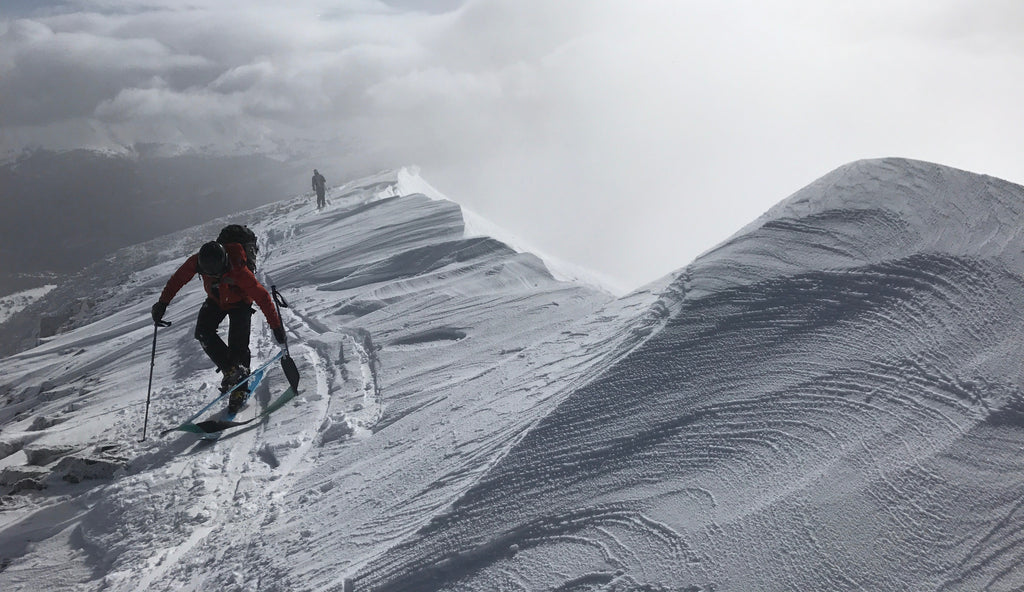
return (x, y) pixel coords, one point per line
(409, 181)
(828, 400)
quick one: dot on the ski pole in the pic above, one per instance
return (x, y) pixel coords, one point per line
(152, 363)
(291, 371)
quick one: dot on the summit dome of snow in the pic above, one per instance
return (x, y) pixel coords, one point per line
(828, 400)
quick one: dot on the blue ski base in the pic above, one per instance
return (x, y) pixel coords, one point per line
(212, 428)
(253, 381)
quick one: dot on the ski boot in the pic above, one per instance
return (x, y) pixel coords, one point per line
(237, 397)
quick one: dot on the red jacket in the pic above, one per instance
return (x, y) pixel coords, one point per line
(236, 287)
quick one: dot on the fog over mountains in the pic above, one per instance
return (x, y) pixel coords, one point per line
(64, 210)
(828, 400)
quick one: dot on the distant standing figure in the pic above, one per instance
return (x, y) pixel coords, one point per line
(320, 186)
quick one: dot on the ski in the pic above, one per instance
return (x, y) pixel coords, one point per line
(211, 428)
(253, 379)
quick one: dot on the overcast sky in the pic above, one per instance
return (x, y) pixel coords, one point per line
(627, 136)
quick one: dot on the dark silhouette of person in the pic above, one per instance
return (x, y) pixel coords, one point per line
(320, 186)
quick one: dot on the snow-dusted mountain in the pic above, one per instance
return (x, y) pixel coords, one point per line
(828, 400)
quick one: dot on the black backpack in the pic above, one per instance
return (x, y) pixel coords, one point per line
(243, 235)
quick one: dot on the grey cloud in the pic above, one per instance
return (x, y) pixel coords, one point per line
(432, 6)
(48, 76)
(548, 116)
(280, 66)
(242, 78)
(496, 33)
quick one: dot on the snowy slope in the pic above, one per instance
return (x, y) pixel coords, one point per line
(833, 402)
(413, 337)
(828, 400)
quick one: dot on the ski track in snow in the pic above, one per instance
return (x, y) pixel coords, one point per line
(829, 399)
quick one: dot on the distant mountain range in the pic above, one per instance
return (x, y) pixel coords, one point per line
(64, 210)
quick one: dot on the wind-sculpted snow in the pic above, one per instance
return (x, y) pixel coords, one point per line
(409, 336)
(815, 413)
(829, 400)
(871, 211)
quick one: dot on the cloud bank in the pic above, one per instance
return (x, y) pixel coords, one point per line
(624, 136)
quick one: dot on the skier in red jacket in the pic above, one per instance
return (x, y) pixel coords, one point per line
(231, 289)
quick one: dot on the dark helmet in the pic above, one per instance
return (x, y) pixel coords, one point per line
(213, 259)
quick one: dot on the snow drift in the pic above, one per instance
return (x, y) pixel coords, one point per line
(828, 400)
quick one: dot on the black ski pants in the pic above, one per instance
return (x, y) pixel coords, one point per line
(236, 350)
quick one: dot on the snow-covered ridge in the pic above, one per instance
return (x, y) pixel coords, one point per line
(401, 324)
(408, 181)
(872, 211)
(828, 400)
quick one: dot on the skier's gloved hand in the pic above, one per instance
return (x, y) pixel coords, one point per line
(279, 334)
(158, 311)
